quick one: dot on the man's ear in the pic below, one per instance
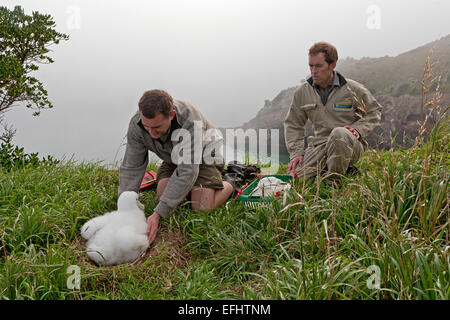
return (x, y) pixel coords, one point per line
(333, 65)
(172, 114)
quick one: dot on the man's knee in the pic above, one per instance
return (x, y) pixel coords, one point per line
(162, 184)
(343, 149)
(340, 133)
(341, 141)
(202, 198)
(200, 206)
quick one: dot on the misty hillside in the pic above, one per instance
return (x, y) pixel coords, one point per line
(395, 83)
(401, 74)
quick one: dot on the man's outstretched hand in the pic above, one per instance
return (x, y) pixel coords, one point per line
(296, 162)
(152, 226)
(353, 131)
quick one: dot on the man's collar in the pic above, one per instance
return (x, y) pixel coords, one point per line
(338, 80)
(174, 124)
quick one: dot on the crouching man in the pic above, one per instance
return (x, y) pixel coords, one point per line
(175, 131)
(342, 111)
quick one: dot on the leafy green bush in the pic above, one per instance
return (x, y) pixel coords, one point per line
(13, 157)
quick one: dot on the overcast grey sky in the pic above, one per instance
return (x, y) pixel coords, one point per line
(224, 56)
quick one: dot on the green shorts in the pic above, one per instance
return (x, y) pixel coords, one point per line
(209, 176)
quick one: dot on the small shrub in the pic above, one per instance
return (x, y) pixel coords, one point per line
(14, 157)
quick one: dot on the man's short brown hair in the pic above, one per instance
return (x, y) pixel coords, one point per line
(153, 102)
(328, 50)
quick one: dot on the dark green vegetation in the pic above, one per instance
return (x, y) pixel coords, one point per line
(25, 42)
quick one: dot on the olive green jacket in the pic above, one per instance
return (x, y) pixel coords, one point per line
(349, 104)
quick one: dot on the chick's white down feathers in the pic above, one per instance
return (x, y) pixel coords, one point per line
(119, 236)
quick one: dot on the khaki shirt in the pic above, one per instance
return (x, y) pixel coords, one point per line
(350, 104)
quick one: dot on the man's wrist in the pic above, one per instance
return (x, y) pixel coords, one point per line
(157, 215)
(356, 129)
(297, 155)
(162, 209)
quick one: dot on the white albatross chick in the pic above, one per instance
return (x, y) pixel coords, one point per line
(119, 236)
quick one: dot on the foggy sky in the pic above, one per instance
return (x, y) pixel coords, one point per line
(224, 56)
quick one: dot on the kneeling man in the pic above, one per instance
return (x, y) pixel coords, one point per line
(342, 111)
(157, 127)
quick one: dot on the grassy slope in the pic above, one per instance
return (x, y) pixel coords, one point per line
(316, 246)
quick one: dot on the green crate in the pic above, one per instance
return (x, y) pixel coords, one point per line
(256, 201)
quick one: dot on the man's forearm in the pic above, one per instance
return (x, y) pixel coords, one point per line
(130, 178)
(133, 165)
(180, 183)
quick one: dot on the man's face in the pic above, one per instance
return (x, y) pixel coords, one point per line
(158, 125)
(321, 71)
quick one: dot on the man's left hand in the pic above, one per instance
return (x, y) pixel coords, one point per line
(152, 226)
(353, 131)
